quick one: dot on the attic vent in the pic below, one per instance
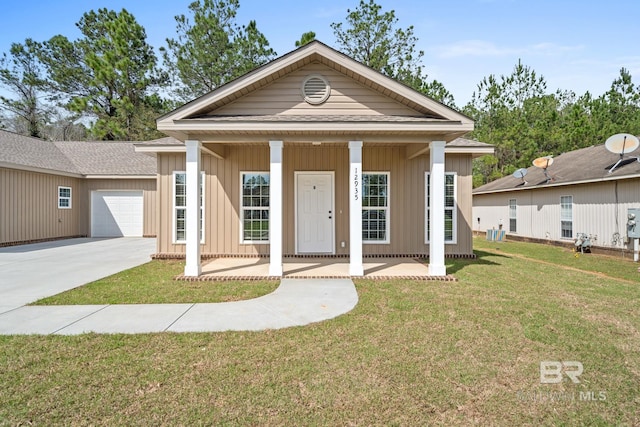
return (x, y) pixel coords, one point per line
(315, 89)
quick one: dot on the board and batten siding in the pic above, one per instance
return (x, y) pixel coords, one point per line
(284, 96)
(595, 210)
(148, 188)
(29, 206)
(222, 196)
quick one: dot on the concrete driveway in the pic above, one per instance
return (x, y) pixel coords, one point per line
(32, 272)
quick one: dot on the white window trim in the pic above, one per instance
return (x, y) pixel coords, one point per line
(175, 208)
(387, 208)
(60, 198)
(560, 206)
(515, 215)
(241, 216)
(454, 215)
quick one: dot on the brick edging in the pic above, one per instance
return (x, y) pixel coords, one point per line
(209, 256)
(47, 239)
(204, 278)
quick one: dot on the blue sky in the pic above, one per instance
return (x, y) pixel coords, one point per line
(576, 45)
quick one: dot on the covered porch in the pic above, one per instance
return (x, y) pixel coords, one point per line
(354, 264)
(257, 268)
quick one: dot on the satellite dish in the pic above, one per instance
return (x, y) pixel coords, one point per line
(621, 144)
(520, 173)
(543, 163)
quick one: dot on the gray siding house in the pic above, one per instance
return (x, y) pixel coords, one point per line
(580, 196)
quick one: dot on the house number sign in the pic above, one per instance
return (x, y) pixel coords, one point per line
(356, 182)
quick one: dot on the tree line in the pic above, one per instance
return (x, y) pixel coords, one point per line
(110, 84)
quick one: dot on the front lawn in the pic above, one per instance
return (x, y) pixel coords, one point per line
(410, 353)
(152, 283)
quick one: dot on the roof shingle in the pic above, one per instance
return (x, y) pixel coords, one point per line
(75, 157)
(586, 164)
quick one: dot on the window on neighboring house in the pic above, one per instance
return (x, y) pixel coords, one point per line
(180, 207)
(450, 207)
(64, 197)
(512, 216)
(255, 207)
(375, 207)
(566, 217)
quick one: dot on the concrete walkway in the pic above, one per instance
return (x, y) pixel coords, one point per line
(296, 302)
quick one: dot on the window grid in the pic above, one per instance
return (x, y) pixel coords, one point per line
(512, 216)
(566, 217)
(64, 197)
(449, 207)
(180, 206)
(255, 207)
(375, 207)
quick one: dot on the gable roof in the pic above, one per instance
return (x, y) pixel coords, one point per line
(74, 158)
(199, 116)
(591, 164)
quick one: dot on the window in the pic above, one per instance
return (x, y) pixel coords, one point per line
(566, 217)
(512, 216)
(255, 207)
(180, 207)
(375, 207)
(450, 207)
(64, 197)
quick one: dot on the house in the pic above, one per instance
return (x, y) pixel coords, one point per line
(314, 154)
(54, 190)
(578, 195)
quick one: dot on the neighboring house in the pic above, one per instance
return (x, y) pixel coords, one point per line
(581, 197)
(314, 154)
(53, 190)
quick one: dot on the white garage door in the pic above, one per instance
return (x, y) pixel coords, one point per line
(116, 213)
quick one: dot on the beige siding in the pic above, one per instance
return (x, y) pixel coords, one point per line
(148, 187)
(222, 199)
(29, 206)
(29, 202)
(285, 97)
(595, 210)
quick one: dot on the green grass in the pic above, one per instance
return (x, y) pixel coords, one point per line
(152, 283)
(410, 353)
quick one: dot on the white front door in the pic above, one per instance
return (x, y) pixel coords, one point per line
(315, 213)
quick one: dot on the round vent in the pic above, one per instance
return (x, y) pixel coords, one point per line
(316, 89)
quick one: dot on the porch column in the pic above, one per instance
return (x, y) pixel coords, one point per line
(355, 209)
(436, 201)
(275, 209)
(192, 220)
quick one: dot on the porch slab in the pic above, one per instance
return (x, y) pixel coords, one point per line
(315, 268)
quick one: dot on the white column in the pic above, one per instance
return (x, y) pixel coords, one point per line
(275, 209)
(436, 201)
(355, 209)
(192, 265)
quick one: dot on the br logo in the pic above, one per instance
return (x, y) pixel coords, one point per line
(551, 371)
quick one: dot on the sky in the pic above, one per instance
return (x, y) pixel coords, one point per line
(577, 45)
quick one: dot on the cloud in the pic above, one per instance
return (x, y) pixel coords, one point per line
(472, 48)
(482, 48)
(323, 13)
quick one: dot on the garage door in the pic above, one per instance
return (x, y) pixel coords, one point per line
(116, 213)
